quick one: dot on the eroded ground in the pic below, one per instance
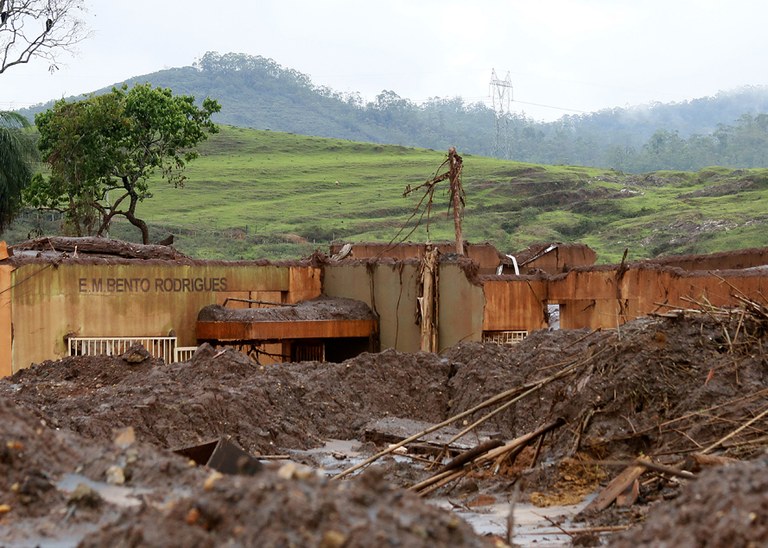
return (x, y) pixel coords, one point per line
(86, 442)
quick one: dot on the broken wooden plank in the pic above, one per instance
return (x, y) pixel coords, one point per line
(394, 430)
(629, 496)
(616, 487)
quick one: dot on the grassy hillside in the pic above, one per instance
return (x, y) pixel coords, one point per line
(261, 194)
(728, 129)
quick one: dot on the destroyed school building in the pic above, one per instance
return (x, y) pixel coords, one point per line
(69, 296)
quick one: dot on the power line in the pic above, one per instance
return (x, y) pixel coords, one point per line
(551, 106)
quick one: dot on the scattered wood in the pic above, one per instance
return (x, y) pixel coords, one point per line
(646, 463)
(505, 398)
(616, 487)
(98, 246)
(489, 453)
(698, 461)
(584, 530)
(469, 456)
(747, 424)
(629, 496)
(391, 430)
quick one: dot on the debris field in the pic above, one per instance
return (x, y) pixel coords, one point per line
(661, 424)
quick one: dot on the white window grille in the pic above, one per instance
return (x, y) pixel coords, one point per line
(184, 353)
(158, 347)
(506, 338)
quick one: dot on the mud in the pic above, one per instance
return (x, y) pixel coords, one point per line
(664, 388)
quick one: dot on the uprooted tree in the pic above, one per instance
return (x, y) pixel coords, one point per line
(103, 150)
(38, 29)
(424, 206)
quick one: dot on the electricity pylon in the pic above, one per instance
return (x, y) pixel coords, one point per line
(501, 99)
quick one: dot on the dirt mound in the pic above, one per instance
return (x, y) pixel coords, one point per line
(56, 486)
(225, 394)
(269, 510)
(657, 386)
(321, 308)
(727, 506)
(665, 388)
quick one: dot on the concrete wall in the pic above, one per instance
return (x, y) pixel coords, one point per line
(6, 326)
(460, 308)
(41, 303)
(390, 289)
(52, 301)
(485, 255)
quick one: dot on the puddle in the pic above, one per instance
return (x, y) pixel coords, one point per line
(335, 456)
(531, 526)
(114, 494)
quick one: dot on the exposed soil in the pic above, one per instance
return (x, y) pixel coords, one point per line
(321, 308)
(668, 389)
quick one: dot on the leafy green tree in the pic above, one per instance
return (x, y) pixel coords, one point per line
(17, 156)
(103, 150)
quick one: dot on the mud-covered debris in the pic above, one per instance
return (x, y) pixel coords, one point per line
(136, 353)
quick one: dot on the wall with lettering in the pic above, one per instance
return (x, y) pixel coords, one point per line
(50, 302)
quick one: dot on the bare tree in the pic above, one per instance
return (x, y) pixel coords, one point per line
(424, 207)
(39, 29)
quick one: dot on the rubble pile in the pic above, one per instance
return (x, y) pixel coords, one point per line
(655, 415)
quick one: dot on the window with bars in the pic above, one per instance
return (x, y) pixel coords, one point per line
(506, 338)
(158, 347)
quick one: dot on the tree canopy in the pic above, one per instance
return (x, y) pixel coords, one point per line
(103, 150)
(17, 155)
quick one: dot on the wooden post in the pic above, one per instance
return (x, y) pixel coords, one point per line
(428, 301)
(457, 195)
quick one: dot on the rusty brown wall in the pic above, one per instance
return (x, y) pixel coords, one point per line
(389, 289)
(460, 309)
(485, 255)
(562, 257)
(51, 301)
(727, 260)
(6, 362)
(304, 283)
(602, 298)
(514, 305)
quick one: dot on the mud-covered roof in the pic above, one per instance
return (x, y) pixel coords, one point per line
(321, 308)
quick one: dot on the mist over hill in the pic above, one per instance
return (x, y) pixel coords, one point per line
(729, 129)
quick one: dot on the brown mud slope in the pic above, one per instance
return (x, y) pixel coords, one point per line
(57, 487)
(669, 389)
(727, 506)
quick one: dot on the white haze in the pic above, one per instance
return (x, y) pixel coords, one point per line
(562, 56)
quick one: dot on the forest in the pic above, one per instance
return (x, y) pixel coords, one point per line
(729, 129)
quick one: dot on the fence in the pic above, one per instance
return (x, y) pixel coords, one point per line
(507, 338)
(158, 347)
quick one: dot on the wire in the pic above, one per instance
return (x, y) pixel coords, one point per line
(550, 106)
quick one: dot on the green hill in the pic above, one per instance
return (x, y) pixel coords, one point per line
(264, 194)
(728, 129)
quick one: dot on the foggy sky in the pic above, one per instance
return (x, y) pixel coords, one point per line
(569, 55)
